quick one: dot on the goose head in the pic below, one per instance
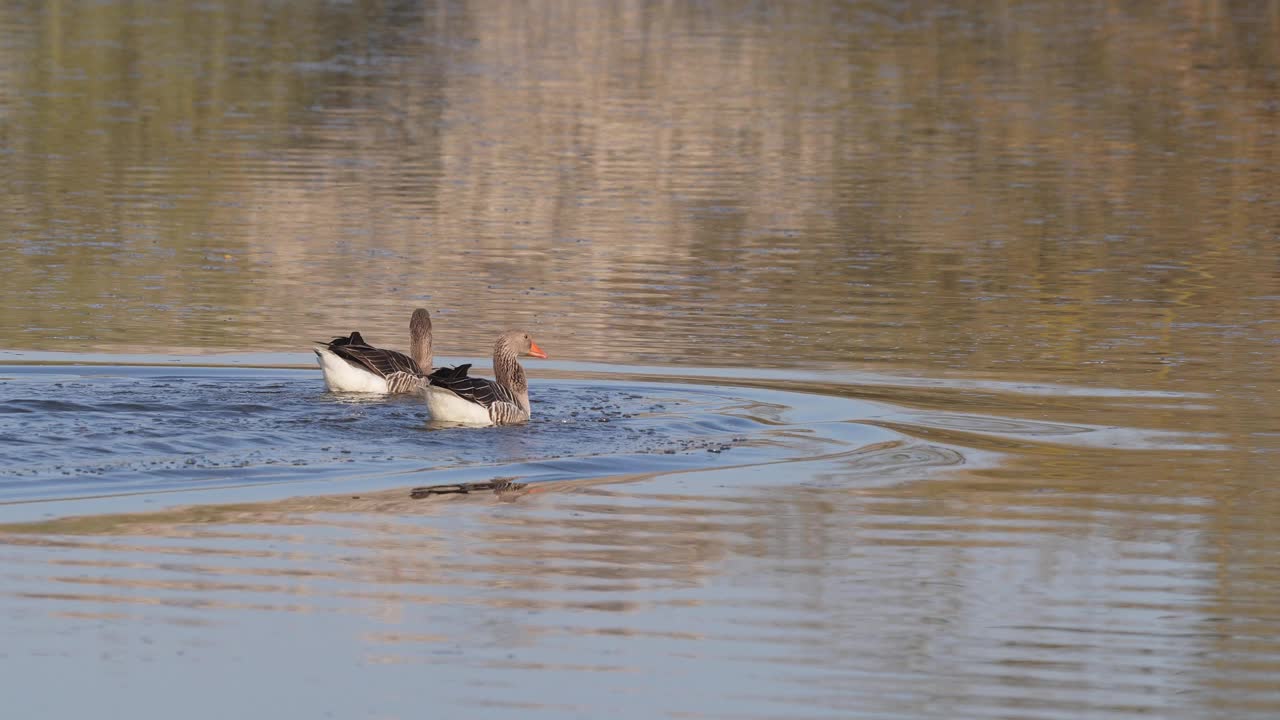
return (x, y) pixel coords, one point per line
(522, 344)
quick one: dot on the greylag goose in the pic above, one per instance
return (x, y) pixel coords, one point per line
(350, 364)
(453, 396)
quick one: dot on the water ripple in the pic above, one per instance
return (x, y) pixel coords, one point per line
(862, 556)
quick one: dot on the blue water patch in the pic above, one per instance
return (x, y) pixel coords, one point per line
(85, 432)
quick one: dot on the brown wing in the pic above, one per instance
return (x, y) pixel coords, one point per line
(505, 413)
(482, 391)
(355, 339)
(403, 382)
(379, 361)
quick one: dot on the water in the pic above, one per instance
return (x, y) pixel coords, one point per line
(923, 355)
(84, 435)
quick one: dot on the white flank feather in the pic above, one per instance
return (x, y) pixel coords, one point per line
(342, 376)
(445, 406)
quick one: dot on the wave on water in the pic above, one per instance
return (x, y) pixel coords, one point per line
(162, 433)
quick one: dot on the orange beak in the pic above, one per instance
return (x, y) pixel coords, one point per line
(535, 351)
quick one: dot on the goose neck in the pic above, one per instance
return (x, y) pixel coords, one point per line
(509, 373)
(420, 340)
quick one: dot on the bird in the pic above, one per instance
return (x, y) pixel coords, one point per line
(454, 396)
(350, 364)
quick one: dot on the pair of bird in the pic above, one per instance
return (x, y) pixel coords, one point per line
(350, 364)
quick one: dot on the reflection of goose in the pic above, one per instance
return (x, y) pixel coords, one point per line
(351, 365)
(453, 396)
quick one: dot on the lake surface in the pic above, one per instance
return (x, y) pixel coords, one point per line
(913, 360)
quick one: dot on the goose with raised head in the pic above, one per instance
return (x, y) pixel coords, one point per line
(350, 364)
(454, 396)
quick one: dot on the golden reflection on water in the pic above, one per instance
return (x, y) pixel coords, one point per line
(948, 190)
(1079, 197)
(999, 598)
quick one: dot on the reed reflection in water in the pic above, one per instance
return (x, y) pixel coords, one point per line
(710, 596)
(943, 187)
(1008, 221)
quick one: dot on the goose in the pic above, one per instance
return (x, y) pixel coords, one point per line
(454, 396)
(350, 364)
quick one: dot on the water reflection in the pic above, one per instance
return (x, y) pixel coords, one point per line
(981, 598)
(1044, 234)
(1022, 567)
(936, 188)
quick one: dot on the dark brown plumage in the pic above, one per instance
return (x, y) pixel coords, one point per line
(380, 361)
(401, 372)
(453, 396)
(481, 391)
